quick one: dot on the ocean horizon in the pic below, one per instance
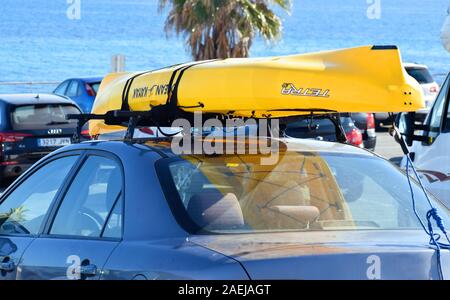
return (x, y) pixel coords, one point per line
(40, 43)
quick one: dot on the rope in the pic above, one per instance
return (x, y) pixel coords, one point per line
(431, 215)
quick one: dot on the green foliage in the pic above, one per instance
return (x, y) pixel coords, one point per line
(223, 28)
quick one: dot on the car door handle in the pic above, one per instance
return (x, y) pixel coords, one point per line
(88, 270)
(7, 266)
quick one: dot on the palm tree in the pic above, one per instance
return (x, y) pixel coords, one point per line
(223, 28)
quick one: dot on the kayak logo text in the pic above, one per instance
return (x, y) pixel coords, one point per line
(291, 89)
(156, 89)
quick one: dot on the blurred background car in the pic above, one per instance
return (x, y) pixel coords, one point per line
(366, 124)
(429, 86)
(361, 134)
(430, 90)
(31, 126)
(80, 90)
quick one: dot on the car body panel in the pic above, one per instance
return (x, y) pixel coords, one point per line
(432, 160)
(175, 258)
(330, 255)
(12, 249)
(62, 256)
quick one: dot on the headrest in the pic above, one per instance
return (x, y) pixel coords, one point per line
(304, 214)
(213, 210)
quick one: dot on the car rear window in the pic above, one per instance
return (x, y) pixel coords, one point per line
(95, 86)
(303, 191)
(422, 75)
(41, 116)
(306, 128)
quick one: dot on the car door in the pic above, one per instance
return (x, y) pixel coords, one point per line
(85, 225)
(24, 208)
(432, 158)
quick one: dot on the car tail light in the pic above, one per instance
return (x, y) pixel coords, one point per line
(354, 137)
(85, 133)
(370, 121)
(9, 163)
(13, 137)
(147, 130)
(89, 90)
(434, 89)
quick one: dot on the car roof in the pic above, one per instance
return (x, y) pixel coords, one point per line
(414, 65)
(20, 99)
(87, 79)
(163, 146)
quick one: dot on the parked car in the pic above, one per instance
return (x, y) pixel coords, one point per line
(135, 209)
(32, 126)
(430, 91)
(366, 123)
(429, 85)
(430, 153)
(80, 90)
(324, 129)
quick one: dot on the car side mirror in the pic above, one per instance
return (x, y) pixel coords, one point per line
(406, 126)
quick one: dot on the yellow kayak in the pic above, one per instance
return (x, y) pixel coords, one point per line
(362, 79)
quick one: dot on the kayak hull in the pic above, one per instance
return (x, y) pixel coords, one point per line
(362, 79)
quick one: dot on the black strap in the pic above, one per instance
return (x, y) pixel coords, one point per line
(172, 97)
(126, 90)
(172, 101)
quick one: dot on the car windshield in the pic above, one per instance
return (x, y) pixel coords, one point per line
(41, 116)
(302, 191)
(422, 75)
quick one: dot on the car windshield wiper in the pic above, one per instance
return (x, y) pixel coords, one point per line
(57, 123)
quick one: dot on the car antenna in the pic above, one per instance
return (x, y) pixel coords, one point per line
(37, 96)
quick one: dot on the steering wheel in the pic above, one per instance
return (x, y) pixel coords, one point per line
(93, 221)
(18, 228)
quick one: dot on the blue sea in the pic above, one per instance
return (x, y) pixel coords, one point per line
(38, 42)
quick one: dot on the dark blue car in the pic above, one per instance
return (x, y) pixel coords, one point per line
(80, 90)
(137, 210)
(31, 126)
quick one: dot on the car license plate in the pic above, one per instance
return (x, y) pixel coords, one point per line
(54, 142)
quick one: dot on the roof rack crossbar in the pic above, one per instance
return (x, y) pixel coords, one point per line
(131, 119)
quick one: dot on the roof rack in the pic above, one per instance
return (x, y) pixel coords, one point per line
(133, 119)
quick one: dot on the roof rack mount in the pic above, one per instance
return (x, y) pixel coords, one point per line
(133, 119)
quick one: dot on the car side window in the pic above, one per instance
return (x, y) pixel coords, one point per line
(438, 110)
(73, 90)
(23, 211)
(61, 89)
(113, 228)
(91, 197)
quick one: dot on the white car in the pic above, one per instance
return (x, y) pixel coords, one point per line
(430, 147)
(430, 91)
(429, 86)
